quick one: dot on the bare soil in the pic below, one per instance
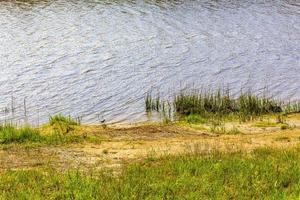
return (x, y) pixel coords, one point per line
(124, 144)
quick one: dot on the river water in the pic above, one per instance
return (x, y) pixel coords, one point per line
(97, 59)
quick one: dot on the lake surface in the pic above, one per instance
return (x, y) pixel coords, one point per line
(97, 59)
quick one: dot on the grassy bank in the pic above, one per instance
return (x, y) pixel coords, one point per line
(262, 174)
(59, 130)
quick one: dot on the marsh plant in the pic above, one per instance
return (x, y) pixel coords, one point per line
(151, 103)
(220, 103)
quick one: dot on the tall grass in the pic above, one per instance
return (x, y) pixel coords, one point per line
(292, 107)
(62, 124)
(11, 134)
(152, 104)
(263, 174)
(221, 103)
(59, 119)
(59, 126)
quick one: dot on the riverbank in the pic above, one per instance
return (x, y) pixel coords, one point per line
(150, 148)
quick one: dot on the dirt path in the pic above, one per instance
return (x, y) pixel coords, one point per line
(126, 144)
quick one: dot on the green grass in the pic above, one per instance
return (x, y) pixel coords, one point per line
(11, 134)
(195, 119)
(59, 119)
(263, 174)
(220, 103)
(61, 132)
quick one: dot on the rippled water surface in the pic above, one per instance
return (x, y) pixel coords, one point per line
(97, 59)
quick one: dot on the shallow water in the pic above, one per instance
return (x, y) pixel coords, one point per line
(97, 59)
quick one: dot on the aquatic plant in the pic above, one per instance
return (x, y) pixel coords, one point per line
(220, 103)
(152, 104)
(292, 107)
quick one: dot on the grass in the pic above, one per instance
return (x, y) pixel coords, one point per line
(152, 103)
(220, 103)
(61, 132)
(11, 134)
(265, 124)
(59, 119)
(63, 124)
(195, 119)
(262, 174)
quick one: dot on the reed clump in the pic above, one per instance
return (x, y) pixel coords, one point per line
(151, 103)
(220, 103)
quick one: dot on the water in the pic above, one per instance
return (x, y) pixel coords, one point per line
(97, 59)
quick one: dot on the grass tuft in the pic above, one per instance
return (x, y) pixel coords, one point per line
(59, 119)
(11, 134)
(63, 124)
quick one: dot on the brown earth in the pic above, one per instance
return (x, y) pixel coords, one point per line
(122, 145)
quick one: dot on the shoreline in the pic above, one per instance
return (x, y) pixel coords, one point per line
(150, 160)
(112, 147)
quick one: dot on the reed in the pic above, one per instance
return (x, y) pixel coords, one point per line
(152, 104)
(292, 107)
(221, 103)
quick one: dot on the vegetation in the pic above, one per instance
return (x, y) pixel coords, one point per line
(11, 134)
(61, 119)
(62, 124)
(60, 132)
(220, 104)
(263, 174)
